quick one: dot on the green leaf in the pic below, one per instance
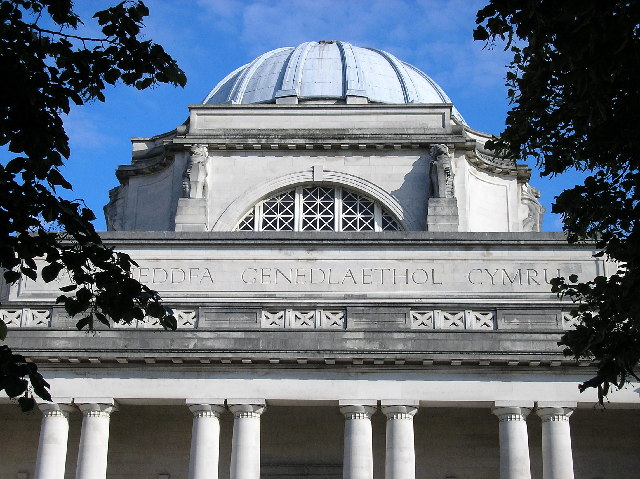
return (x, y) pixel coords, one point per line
(3, 330)
(85, 321)
(11, 276)
(56, 178)
(50, 272)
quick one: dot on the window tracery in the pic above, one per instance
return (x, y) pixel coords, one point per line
(318, 208)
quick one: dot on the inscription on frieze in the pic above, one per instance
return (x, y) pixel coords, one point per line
(240, 275)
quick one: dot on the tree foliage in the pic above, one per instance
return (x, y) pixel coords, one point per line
(574, 86)
(47, 67)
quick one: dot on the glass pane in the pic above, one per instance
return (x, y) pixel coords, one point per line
(278, 212)
(318, 211)
(246, 224)
(357, 213)
(388, 223)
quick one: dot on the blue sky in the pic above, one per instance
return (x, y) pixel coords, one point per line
(210, 38)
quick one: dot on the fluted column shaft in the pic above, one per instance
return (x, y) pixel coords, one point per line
(557, 458)
(514, 442)
(94, 440)
(358, 443)
(205, 441)
(400, 460)
(52, 446)
(245, 445)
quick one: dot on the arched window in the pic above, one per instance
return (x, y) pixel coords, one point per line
(318, 208)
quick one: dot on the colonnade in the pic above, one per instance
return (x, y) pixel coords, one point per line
(358, 439)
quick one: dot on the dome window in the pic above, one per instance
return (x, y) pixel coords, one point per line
(318, 208)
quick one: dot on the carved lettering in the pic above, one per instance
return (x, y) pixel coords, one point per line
(420, 276)
(475, 276)
(249, 275)
(348, 274)
(281, 274)
(525, 276)
(160, 275)
(517, 277)
(177, 273)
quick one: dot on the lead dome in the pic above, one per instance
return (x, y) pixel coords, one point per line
(328, 72)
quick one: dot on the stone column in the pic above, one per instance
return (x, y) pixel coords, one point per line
(94, 439)
(52, 447)
(514, 442)
(245, 445)
(205, 439)
(358, 447)
(557, 459)
(400, 461)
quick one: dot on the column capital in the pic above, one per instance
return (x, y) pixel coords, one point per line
(254, 408)
(55, 409)
(554, 413)
(511, 413)
(206, 410)
(356, 411)
(399, 412)
(97, 409)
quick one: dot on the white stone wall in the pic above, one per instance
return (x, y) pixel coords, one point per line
(236, 176)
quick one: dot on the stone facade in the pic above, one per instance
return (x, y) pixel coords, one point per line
(361, 289)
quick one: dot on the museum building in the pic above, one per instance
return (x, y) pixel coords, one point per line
(362, 291)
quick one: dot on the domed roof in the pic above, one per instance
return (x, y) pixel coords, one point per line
(328, 71)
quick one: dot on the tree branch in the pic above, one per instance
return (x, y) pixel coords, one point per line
(68, 35)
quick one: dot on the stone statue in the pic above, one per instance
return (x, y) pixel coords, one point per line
(532, 220)
(194, 180)
(441, 173)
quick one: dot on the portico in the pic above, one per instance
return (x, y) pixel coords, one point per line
(244, 418)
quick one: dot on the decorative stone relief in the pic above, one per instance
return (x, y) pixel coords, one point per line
(272, 319)
(39, 318)
(421, 319)
(194, 179)
(441, 173)
(26, 318)
(481, 320)
(303, 319)
(186, 319)
(452, 320)
(12, 317)
(333, 319)
(449, 320)
(533, 210)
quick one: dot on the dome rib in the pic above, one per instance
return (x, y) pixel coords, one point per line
(408, 88)
(354, 79)
(240, 87)
(294, 71)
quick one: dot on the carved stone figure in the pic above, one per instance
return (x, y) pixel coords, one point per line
(441, 173)
(532, 220)
(194, 179)
(114, 210)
